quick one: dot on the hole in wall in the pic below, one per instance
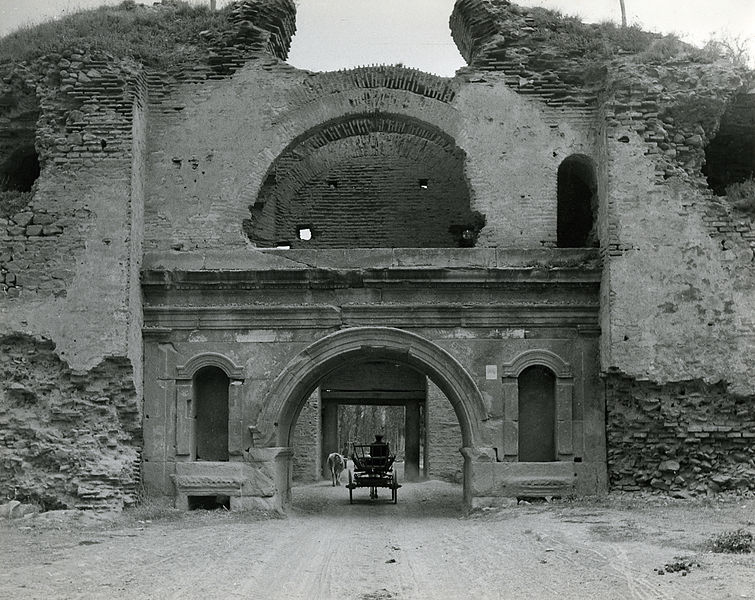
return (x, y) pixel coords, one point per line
(730, 155)
(20, 170)
(209, 502)
(577, 203)
(423, 184)
(305, 233)
(332, 184)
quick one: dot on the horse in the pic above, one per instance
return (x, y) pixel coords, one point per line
(336, 464)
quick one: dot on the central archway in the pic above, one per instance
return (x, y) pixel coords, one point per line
(290, 390)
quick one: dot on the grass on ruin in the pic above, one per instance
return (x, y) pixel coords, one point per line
(13, 201)
(154, 509)
(742, 196)
(159, 36)
(602, 41)
(731, 542)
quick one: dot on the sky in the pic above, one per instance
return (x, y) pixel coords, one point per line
(335, 34)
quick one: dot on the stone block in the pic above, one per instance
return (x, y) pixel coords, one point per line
(156, 475)
(510, 438)
(23, 219)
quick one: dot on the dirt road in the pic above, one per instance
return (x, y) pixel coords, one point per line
(421, 548)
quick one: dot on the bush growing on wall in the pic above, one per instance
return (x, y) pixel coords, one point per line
(742, 196)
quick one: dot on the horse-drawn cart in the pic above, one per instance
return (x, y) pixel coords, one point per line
(373, 468)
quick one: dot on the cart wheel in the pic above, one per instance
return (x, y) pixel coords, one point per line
(351, 488)
(394, 494)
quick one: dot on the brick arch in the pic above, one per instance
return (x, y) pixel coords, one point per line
(381, 197)
(306, 370)
(339, 104)
(357, 124)
(390, 77)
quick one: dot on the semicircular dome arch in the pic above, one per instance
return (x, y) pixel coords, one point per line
(365, 180)
(341, 104)
(360, 124)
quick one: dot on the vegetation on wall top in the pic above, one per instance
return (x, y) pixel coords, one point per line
(160, 36)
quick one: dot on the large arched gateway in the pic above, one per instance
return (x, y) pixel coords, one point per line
(354, 253)
(352, 346)
(293, 321)
(309, 367)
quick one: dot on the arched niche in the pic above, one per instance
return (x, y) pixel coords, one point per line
(197, 385)
(563, 391)
(210, 412)
(537, 415)
(730, 155)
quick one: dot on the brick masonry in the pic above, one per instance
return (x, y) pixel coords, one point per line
(306, 442)
(444, 460)
(67, 438)
(679, 436)
(378, 189)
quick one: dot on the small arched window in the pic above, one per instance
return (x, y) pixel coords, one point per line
(211, 414)
(537, 415)
(577, 203)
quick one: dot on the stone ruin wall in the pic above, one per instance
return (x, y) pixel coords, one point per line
(679, 437)
(681, 322)
(68, 438)
(678, 324)
(212, 184)
(70, 258)
(71, 254)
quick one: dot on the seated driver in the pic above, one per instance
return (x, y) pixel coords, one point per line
(379, 448)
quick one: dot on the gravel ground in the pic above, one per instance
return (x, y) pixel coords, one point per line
(424, 547)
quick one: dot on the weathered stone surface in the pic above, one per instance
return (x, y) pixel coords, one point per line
(669, 465)
(689, 426)
(67, 439)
